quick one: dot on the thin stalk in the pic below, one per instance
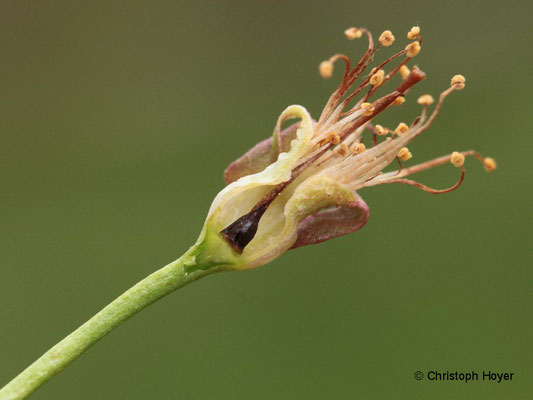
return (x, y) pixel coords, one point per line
(157, 285)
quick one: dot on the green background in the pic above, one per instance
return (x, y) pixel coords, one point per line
(117, 119)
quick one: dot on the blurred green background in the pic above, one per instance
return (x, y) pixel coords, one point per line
(117, 119)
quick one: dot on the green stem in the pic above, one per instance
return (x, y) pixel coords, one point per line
(162, 282)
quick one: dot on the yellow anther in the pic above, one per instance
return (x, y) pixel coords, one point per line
(386, 38)
(368, 109)
(413, 33)
(490, 164)
(358, 148)
(398, 101)
(404, 154)
(377, 78)
(457, 159)
(458, 81)
(342, 149)
(353, 33)
(425, 100)
(404, 71)
(333, 137)
(413, 49)
(380, 130)
(326, 69)
(401, 129)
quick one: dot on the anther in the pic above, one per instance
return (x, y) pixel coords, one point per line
(380, 130)
(326, 69)
(413, 33)
(425, 100)
(342, 149)
(404, 154)
(377, 78)
(386, 38)
(333, 138)
(401, 129)
(368, 109)
(398, 101)
(353, 33)
(404, 71)
(457, 159)
(413, 49)
(490, 164)
(358, 148)
(458, 82)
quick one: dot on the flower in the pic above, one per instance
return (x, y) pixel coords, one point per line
(300, 186)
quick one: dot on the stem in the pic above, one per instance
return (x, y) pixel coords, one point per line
(157, 285)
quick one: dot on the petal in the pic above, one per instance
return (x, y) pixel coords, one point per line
(331, 223)
(260, 156)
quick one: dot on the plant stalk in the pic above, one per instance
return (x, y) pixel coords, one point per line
(157, 285)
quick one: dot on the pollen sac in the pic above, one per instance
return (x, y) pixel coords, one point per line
(358, 148)
(404, 71)
(425, 100)
(490, 164)
(458, 81)
(342, 149)
(404, 154)
(386, 38)
(333, 138)
(377, 78)
(353, 33)
(413, 49)
(326, 69)
(457, 159)
(401, 129)
(368, 109)
(380, 130)
(398, 101)
(413, 33)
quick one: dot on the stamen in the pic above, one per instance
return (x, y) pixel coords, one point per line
(358, 148)
(326, 69)
(457, 159)
(404, 154)
(413, 49)
(399, 101)
(404, 71)
(380, 130)
(413, 33)
(368, 109)
(353, 33)
(401, 129)
(490, 164)
(425, 100)
(458, 81)
(377, 78)
(427, 188)
(386, 38)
